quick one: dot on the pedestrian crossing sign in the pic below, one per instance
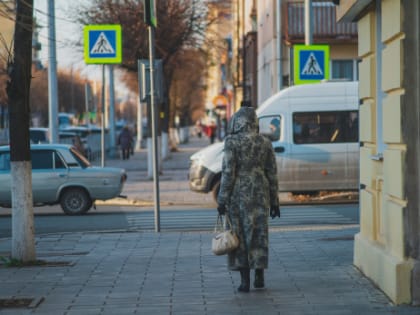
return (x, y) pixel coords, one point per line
(311, 63)
(102, 44)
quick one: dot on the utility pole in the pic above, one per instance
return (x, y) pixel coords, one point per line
(308, 22)
(52, 75)
(87, 98)
(154, 129)
(103, 118)
(111, 123)
(18, 87)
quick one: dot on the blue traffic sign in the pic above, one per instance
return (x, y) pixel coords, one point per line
(102, 44)
(312, 67)
(311, 63)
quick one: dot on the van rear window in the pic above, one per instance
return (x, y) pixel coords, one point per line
(325, 127)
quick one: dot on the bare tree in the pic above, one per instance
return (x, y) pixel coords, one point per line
(187, 90)
(39, 96)
(18, 87)
(71, 93)
(182, 26)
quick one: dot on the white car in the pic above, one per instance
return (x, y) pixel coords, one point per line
(62, 175)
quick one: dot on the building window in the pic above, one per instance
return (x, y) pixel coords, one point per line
(344, 69)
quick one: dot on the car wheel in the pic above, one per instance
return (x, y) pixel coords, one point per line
(75, 201)
(215, 190)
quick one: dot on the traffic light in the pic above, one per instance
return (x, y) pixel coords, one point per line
(150, 12)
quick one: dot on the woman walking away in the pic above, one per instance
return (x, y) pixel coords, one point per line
(125, 140)
(248, 194)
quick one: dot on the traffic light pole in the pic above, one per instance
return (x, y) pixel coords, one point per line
(154, 128)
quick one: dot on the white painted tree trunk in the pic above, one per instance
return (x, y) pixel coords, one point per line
(23, 233)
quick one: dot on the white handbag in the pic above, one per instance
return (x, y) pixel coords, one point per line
(224, 239)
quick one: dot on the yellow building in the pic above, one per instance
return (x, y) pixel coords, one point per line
(387, 248)
(265, 33)
(7, 26)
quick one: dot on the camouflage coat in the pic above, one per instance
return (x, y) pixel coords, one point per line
(248, 188)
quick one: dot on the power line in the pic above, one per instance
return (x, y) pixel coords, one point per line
(64, 19)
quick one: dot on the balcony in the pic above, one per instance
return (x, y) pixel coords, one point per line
(325, 28)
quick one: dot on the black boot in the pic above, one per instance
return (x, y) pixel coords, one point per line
(244, 287)
(259, 279)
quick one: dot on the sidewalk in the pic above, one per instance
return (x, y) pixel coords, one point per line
(310, 270)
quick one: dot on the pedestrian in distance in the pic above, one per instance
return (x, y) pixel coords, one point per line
(212, 131)
(133, 139)
(198, 129)
(248, 195)
(125, 140)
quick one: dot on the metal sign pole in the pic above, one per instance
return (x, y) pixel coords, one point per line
(154, 129)
(103, 119)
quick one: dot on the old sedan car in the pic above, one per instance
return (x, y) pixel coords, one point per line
(62, 175)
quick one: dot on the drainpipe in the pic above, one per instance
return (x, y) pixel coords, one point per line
(278, 47)
(244, 56)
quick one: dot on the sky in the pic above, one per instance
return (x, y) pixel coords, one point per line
(68, 31)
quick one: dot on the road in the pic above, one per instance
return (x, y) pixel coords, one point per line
(181, 209)
(112, 218)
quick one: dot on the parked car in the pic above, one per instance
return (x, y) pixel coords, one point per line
(65, 120)
(66, 137)
(39, 135)
(82, 134)
(62, 175)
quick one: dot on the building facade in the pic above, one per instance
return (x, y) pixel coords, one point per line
(387, 248)
(281, 24)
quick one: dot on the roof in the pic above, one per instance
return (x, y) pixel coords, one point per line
(327, 89)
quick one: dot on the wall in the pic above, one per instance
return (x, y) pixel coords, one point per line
(410, 118)
(380, 248)
(270, 13)
(267, 40)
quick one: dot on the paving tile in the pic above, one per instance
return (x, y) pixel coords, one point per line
(175, 273)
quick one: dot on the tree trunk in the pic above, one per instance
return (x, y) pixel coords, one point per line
(18, 89)
(23, 243)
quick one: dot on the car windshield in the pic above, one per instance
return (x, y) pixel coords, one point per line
(80, 158)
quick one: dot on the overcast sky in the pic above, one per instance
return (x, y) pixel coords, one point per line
(67, 32)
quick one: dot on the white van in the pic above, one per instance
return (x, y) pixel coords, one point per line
(315, 140)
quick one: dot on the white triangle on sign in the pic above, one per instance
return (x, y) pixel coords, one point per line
(312, 66)
(102, 46)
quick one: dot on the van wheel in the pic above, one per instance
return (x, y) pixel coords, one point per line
(75, 201)
(215, 190)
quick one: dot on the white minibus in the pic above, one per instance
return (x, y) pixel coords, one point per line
(314, 132)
